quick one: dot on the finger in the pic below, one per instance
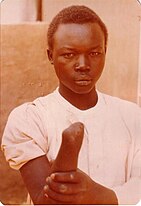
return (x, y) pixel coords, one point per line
(64, 188)
(73, 177)
(58, 196)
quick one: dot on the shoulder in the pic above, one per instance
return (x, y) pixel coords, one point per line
(34, 109)
(129, 112)
(32, 116)
(23, 112)
(120, 104)
(24, 135)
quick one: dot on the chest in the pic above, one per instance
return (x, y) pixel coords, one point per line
(106, 144)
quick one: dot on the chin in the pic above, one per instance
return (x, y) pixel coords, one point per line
(83, 90)
(78, 90)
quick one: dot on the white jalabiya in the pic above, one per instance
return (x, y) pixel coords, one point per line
(111, 150)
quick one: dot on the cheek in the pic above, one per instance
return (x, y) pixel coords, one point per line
(61, 62)
(63, 65)
(101, 60)
(63, 71)
(98, 66)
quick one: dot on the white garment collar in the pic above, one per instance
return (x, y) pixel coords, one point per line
(72, 108)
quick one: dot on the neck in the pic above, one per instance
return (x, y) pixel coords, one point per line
(80, 101)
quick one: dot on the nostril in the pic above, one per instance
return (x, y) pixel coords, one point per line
(82, 67)
(82, 62)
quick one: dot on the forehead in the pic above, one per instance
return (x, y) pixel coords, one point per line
(89, 33)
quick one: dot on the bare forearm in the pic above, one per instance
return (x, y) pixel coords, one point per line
(34, 174)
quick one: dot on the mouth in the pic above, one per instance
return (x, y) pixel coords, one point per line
(83, 82)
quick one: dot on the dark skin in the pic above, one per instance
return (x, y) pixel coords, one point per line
(78, 55)
(79, 45)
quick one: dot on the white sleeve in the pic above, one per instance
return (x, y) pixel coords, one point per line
(130, 192)
(23, 138)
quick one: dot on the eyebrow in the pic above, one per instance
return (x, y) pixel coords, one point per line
(97, 47)
(72, 49)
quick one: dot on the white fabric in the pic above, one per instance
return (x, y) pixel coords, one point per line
(111, 150)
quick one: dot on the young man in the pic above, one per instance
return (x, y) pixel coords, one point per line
(109, 169)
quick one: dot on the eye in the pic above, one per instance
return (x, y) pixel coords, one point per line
(68, 55)
(93, 54)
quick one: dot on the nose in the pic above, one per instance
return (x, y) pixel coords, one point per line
(82, 63)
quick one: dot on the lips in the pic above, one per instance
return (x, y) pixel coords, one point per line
(83, 81)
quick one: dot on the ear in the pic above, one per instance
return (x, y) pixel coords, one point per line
(49, 54)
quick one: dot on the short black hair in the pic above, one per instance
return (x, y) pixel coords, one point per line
(78, 14)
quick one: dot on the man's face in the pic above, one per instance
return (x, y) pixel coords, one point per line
(78, 56)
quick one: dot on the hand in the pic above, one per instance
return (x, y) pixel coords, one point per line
(77, 188)
(70, 188)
